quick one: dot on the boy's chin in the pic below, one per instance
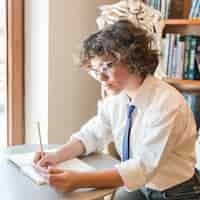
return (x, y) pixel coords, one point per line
(112, 92)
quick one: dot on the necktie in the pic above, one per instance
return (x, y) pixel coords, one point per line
(125, 150)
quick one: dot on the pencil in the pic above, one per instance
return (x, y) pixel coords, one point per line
(40, 138)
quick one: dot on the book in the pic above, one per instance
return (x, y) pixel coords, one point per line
(180, 60)
(25, 163)
(196, 10)
(174, 63)
(194, 6)
(198, 61)
(163, 9)
(187, 57)
(165, 46)
(176, 8)
(171, 54)
(191, 66)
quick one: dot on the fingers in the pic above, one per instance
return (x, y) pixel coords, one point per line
(45, 161)
(40, 170)
(55, 171)
(53, 176)
(56, 180)
(60, 180)
(38, 156)
(56, 175)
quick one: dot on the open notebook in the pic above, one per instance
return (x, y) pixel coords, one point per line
(24, 162)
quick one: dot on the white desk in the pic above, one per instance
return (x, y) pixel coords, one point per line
(15, 186)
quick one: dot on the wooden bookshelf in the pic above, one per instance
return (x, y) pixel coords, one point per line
(182, 26)
(181, 22)
(187, 86)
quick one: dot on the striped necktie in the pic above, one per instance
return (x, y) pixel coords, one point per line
(125, 150)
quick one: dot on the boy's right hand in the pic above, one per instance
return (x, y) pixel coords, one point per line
(45, 159)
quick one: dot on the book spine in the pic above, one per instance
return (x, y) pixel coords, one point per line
(190, 101)
(168, 36)
(197, 111)
(152, 3)
(168, 8)
(198, 60)
(166, 53)
(191, 69)
(155, 4)
(193, 102)
(159, 5)
(164, 45)
(175, 55)
(174, 63)
(180, 62)
(196, 10)
(163, 8)
(171, 51)
(187, 56)
(198, 13)
(192, 9)
(185, 97)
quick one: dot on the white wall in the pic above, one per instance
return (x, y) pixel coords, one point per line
(72, 93)
(57, 92)
(36, 67)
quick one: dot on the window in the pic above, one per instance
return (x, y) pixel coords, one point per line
(11, 72)
(3, 74)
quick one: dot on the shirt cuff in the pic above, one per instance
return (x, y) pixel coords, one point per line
(84, 140)
(132, 174)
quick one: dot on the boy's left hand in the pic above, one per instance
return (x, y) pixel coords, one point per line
(62, 180)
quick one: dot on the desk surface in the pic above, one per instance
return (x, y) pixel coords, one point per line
(15, 186)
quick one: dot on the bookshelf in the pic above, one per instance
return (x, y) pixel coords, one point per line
(182, 22)
(183, 27)
(187, 86)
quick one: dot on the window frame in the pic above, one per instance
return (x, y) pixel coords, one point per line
(15, 72)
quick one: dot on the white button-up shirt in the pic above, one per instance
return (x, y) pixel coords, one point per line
(162, 141)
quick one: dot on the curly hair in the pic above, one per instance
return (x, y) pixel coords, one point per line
(126, 42)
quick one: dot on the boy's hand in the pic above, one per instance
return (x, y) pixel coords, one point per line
(62, 180)
(45, 159)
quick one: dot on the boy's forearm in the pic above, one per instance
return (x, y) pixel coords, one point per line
(100, 179)
(72, 149)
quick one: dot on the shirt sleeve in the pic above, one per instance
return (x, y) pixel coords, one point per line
(159, 140)
(96, 133)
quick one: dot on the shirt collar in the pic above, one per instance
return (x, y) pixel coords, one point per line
(144, 93)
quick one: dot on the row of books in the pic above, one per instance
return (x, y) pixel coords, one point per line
(180, 56)
(161, 5)
(174, 8)
(195, 9)
(194, 103)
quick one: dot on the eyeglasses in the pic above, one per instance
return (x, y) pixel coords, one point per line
(105, 69)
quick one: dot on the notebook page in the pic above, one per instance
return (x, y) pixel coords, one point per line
(24, 162)
(29, 171)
